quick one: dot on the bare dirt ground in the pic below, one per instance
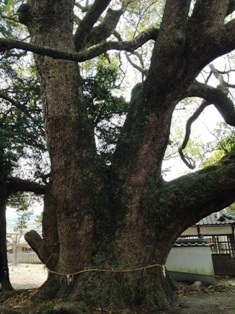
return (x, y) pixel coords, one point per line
(25, 278)
(218, 299)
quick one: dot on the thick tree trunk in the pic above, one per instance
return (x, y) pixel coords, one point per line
(82, 211)
(112, 228)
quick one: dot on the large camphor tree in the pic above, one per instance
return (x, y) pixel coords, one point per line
(109, 226)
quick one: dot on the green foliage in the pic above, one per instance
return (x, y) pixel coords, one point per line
(21, 128)
(21, 201)
(38, 220)
(224, 144)
(23, 218)
(9, 7)
(9, 26)
(143, 14)
(105, 108)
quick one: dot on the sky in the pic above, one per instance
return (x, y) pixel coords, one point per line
(12, 216)
(202, 130)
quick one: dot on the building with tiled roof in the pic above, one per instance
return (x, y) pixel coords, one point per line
(217, 230)
(218, 218)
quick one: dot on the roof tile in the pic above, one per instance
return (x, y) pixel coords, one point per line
(218, 218)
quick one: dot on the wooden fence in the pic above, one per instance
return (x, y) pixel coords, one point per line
(26, 258)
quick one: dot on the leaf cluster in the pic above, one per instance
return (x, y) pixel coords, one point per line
(21, 122)
(224, 144)
(106, 108)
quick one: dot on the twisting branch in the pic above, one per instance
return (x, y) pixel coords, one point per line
(216, 96)
(186, 159)
(101, 32)
(141, 39)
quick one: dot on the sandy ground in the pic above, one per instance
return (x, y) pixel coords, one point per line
(219, 299)
(27, 276)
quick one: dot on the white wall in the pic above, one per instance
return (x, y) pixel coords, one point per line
(208, 230)
(194, 263)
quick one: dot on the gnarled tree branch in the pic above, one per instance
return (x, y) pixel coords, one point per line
(43, 251)
(189, 162)
(208, 34)
(141, 39)
(215, 96)
(192, 192)
(200, 200)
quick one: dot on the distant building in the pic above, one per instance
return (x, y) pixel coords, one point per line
(205, 249)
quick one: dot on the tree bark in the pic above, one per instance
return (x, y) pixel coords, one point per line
(3, 199)
(8, 186)
(113, 227)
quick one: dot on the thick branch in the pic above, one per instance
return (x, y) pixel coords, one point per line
(169, 46)
(214, 96)
(18, 185)
(39, 245)
(211, 95)
(200, 193)
(208, 35)
(229, 37)
(209, 14)
(141, 39)
(101, 32)
(88, 22)
(130, 46)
